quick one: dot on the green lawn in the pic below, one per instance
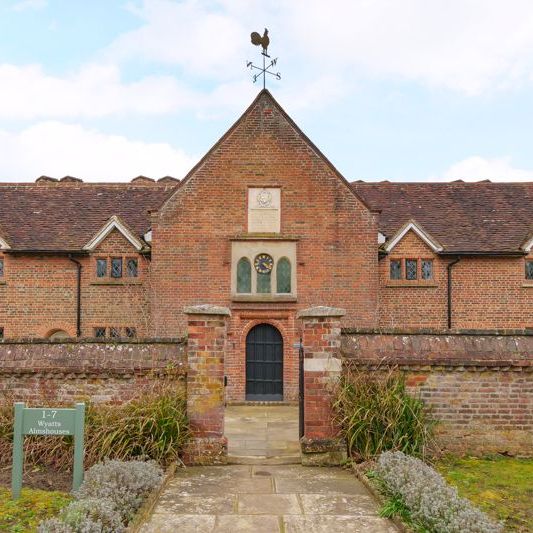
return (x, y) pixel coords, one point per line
(33, 506)
(502, 486)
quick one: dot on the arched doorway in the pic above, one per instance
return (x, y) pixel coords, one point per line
(264, 364)
(58, 335)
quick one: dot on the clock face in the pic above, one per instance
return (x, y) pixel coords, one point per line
(263, 263)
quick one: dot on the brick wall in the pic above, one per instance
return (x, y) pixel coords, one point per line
(487, 292)
(417, 303)
(38, 294)
(120, 302)
(480, 387)
(242, 321)
(336, 234)
(102, 372)
(492, 293)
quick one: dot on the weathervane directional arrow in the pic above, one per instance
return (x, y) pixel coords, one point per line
(263, 41)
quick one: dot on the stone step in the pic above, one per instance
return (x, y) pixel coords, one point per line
(264, 460)
(265, 404)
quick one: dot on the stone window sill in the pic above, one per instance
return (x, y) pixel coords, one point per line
(528, 285)
(272, 298)
(2, 282)
(413, 284)
(264, 237)
(116, 282)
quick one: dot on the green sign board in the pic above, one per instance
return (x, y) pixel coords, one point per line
(47, 422)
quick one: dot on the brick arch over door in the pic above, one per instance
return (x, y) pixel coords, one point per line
(235, 368)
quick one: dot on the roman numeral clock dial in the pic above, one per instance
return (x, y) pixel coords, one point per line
(263, 263)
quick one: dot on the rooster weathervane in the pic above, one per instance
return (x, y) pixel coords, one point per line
(263, 41)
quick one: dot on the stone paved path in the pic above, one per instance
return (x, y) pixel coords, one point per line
(266, 499)
(266, 432)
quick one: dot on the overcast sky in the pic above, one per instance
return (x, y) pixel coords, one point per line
(405, 90)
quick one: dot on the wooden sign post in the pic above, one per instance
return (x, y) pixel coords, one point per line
(47, 422)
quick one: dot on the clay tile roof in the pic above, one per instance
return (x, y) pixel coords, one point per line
(33, 217)
(480, 217)
(168, 179)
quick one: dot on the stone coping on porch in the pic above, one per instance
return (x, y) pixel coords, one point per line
(206, 309)
(321, 311)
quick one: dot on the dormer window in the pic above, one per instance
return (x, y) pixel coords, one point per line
(529, 270)
(116, 267)
(411, 269)
(101, 268)
(395, 269)
(132, 267)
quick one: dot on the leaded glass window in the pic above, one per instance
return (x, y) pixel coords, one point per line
(263, 283)
(131, 333)
(1, 268)
(244, 276)
(101, 268)
(395, 269)
(427, 269)
(529, 269)
(114, 333)
(132, 268)
(411, 267)
(99, 332)
(283, 275)
(116, 267)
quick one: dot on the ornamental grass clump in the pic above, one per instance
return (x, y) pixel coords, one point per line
(431, 502)
(375, 414)
(153, 425)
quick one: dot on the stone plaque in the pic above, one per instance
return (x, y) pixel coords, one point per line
(264, 213)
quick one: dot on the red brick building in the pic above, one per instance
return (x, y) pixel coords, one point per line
(264, 225)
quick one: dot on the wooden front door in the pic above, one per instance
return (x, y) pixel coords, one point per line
(264, 364)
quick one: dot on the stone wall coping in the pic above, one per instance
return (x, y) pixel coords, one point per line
(321, 311)
(93, 372)
(475, 364)
(441, 332)
(206, 309)
(92, 340)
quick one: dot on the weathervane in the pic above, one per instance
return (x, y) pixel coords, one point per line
(264, 42)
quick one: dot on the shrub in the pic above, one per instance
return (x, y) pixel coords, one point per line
(89, 515)
(375, 413)
(126, 484)
(430, 500)
(110, 495)
(153, 425)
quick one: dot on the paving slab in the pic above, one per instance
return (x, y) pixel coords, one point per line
(336, 524)
(265, 432)
(264, 498)
(269, 504)
(247, 524)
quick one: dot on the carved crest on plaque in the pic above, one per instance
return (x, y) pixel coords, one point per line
(264, 198)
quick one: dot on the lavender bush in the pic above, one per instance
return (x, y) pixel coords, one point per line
(430, 500)
(108, 498)
(125, 483)
(91, 515)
